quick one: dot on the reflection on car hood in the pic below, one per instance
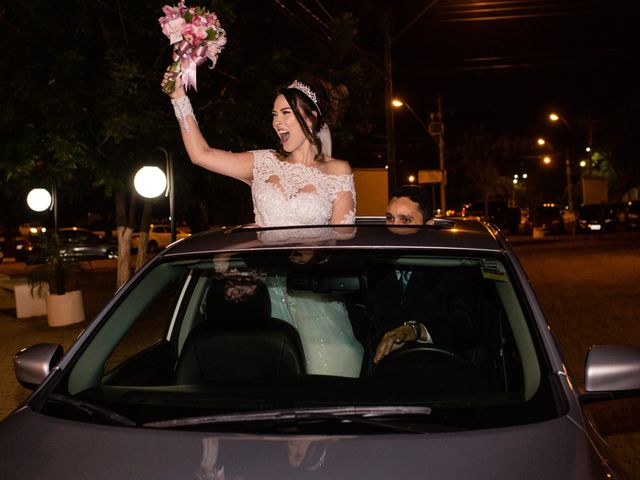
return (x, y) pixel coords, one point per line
(36, 446)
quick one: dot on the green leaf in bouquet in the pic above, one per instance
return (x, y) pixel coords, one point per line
(212, 34)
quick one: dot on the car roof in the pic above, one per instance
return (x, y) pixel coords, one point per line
(370, 232)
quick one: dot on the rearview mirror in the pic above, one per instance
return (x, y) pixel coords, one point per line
(320, 283)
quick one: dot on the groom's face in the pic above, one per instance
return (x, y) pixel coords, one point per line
(404, 211)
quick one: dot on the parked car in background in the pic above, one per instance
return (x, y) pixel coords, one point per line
(204, 365)
(549, 218)
(160, 236)
(31, 229)
(499, 213)
(627, 215)
(633, 215)
(76, 242)
(596, 217)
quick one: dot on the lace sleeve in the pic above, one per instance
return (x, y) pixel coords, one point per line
(344, 201)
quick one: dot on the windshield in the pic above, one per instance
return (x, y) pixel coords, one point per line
(298, 329)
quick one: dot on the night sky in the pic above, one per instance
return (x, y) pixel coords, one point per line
(519, 56)
(507, 64)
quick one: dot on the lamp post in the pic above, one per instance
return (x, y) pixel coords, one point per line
(567, 162)
(519, 181)
(554, 118)
(39, 200)
(388, 77)
(151, 181)
(435, 129)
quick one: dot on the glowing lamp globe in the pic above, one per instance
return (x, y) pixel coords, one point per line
(150, 182)
(39, 199)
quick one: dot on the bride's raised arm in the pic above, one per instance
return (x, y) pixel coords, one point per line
(236, 165)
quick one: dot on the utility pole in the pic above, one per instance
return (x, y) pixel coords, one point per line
(392, 167)
(388, 73)
(589, 144)
(567, 164)
(436, 130)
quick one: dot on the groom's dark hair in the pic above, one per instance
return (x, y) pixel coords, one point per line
(416, 194)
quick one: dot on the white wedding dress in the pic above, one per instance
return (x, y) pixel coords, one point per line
(293, 194)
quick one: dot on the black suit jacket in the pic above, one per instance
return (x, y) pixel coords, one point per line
(443, 300)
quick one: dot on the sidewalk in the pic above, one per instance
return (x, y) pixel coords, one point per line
(98, 285)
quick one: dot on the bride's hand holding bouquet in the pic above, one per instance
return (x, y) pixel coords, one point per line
(196, 35)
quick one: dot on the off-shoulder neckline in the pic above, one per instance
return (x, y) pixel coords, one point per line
(310, 167)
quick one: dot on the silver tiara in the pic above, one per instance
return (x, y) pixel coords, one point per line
(306, 90)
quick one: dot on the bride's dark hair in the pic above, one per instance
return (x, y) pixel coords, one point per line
(317, 111)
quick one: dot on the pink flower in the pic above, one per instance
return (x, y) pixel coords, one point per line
(212, 19)
(198, 20)
(173, 12)
(200, 33)
(187, 32)
(173, 29)
(214, 48)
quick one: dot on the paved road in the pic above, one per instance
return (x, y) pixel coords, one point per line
(589, 287)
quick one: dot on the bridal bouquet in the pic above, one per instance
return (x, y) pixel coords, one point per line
(239, 286)
(196, 35)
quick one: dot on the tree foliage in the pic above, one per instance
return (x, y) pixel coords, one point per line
(484, 162)
(84, 107)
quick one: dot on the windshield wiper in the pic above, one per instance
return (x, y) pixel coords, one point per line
(352, 413)
(92, 409)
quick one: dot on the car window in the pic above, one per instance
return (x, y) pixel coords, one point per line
(150, 327)
(302, 327)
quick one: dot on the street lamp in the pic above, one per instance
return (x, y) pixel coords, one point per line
(435, 129)
(151, 181)
(547, 161)
(392, 167)
(39, 200)
(555, 118)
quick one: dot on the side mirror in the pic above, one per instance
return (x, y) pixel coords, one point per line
(33, 364)
(611, 371)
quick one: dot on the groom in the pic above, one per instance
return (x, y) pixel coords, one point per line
(418, 304)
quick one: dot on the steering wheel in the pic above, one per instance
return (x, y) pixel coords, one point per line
(430, 368)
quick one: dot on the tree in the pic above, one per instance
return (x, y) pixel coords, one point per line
(85, 105)
(484, 161)
(44, 107)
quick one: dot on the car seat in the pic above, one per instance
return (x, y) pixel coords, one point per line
(239, 340)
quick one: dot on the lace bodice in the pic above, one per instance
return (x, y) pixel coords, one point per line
(293, 194)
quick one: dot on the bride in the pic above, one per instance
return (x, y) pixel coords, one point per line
(299, 184)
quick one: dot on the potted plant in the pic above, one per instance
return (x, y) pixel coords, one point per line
(56, 277)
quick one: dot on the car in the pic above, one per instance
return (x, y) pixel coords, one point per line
(76, 242)
(596, 217)
(627, 214)
(633, 215)
(26, 229)
(195, 368)
(497, 212)
(549, 218)
(160, 236)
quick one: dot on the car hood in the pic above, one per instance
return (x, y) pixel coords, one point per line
(36, 446)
